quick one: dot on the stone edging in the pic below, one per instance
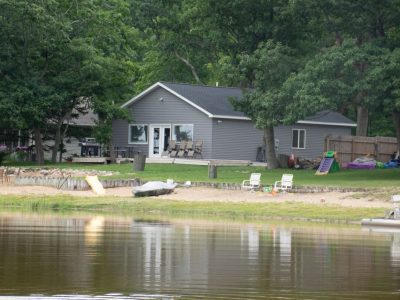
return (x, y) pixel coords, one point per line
(79, 184)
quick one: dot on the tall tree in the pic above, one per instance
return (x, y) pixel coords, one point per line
(263, 73)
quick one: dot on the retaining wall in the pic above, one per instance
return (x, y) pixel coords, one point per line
(74, 184)
(79, 184)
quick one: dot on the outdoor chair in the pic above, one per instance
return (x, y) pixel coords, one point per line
(182, 149)
(3, 175)
(285, 183)
(198, 149)
(253, 183)
(189, 149)
(172, 148)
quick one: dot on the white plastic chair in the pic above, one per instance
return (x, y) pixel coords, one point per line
(285, 183)
(253, 183)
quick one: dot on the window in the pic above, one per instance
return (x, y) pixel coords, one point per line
(182, 132)
(299, 138)
(138, 134)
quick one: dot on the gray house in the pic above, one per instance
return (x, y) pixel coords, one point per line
(173, 111)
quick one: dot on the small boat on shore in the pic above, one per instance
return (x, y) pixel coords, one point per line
(153, 188)
(392, 218)
(381, 222)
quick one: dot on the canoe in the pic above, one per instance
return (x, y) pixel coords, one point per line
(153, 188)
(381, 222)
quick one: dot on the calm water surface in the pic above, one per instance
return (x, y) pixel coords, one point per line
(95, 257)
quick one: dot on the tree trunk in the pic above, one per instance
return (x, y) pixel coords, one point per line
(113, 157)
(57, 142)
(269, 141)
(362, 121)
(39, 146)
(396, 121)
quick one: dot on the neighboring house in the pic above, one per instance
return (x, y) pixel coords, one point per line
(83, 123)
(178, 112)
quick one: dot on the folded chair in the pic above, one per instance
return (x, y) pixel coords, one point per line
(253, 183)
(198, 148)
(285, 183)
(182, 149)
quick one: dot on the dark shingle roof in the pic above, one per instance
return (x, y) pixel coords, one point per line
(213, 99)
(328, 116)
(215, 102)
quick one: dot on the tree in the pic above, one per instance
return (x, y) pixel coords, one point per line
(342, 78)
(61, 54)
(263, 73)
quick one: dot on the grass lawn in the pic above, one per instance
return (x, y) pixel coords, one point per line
(246, 211)
(378, 178)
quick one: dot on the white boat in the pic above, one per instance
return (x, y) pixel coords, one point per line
(381, 222)
(153, 188)
(392, 218)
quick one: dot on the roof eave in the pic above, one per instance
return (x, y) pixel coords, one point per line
(230, 117)
(326, 123)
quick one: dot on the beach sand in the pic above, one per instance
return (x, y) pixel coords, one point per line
(348, 199)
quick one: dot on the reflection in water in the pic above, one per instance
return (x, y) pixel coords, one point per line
(117, 258)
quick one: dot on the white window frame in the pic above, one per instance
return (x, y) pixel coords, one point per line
(138, 143)
(173, 135)
(298, 138)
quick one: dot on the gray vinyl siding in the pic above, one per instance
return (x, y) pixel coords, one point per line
(172, 110)
(315, 139)
(235, 139)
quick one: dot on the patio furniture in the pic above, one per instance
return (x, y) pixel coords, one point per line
(198, 149)
(172, 148)
(189, 149)
(253, 183)
(3, 175)
(182, 149)
(285, 183)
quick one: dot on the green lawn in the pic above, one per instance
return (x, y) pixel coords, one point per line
(389, 178)
(246, 211)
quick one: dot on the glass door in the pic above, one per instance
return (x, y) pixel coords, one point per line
(159, 138)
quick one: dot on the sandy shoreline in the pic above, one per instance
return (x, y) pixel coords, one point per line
(218, 195)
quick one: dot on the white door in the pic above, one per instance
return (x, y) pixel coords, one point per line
(159, 139)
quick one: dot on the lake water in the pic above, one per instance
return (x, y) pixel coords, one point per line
(50, 256)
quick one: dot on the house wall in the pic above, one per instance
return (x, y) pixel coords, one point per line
(235, 139)
(172, 110)
(315, 139)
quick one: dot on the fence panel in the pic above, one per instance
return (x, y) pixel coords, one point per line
(349, 147)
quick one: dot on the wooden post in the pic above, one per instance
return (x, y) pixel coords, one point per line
(352, 149)
(139, 162)
(212, 171)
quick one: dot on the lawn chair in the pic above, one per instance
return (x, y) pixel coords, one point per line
(285, 183)
(3, 175)
(182, 149)
(253, 183)
(172, 148)
(198, 149)
(189, 149)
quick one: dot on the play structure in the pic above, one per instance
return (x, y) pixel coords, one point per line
(328, 164)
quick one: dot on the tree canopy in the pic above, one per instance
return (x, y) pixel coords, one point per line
(291, 58)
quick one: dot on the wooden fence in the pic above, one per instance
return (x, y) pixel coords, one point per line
(349, 148)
